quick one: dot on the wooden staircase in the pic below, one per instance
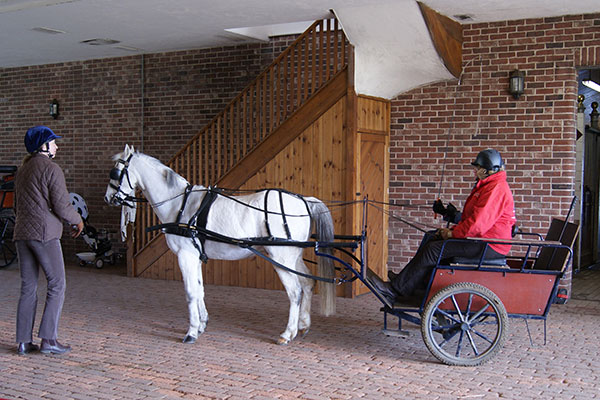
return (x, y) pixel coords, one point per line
(296, 126)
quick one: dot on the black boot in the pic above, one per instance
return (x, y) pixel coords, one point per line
(25, 348)
(382, 287)
(50, 346)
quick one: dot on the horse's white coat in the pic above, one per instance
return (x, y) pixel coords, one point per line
(230, 218)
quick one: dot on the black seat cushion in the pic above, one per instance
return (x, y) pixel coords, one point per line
(501, 261)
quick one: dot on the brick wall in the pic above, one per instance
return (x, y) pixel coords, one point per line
(535, 134)
(101, 109)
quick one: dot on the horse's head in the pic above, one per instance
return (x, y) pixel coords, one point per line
(122, 184)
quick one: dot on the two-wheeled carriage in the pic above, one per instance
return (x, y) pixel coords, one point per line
(464, 311)
(8, 253)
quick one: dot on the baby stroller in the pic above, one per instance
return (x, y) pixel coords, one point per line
(98, 240)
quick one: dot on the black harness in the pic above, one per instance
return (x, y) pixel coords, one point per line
(200, 217)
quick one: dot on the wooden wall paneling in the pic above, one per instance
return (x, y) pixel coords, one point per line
(352, 176)
(373, 124)
(308, 183)
(372, 183)
(372, 115)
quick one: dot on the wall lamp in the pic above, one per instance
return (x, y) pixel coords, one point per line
(516, 83)
(54, 109)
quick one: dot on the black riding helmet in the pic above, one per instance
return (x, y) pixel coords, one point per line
(489, 159)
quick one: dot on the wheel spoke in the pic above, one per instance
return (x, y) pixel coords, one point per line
(473, 345)
(483, 336)
(457, 308)
(478, 313)
(468, 310)
(459, 345)
(447, 315)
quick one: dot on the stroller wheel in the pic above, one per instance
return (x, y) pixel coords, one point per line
(99, 263)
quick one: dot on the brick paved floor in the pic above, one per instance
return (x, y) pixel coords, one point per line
(126, 337)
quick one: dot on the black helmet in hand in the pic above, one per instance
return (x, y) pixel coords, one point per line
(489, 159)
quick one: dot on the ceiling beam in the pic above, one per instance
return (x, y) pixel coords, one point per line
(447, 38)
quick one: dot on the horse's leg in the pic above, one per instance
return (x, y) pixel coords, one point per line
(306, 300)
(294, 291)
(194, 292)
(201, 305)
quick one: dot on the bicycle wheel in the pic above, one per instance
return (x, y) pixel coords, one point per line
(464, 324)
(8, 252)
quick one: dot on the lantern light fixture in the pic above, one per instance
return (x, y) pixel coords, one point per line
(516, 83)
(54, 109)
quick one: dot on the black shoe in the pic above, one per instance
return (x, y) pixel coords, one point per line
(392, 275)
(385, 288)
(25, 348)
(53, 347)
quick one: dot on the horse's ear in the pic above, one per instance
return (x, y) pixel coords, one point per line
(126, 149)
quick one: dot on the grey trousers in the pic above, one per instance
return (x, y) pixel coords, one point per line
(34, 254)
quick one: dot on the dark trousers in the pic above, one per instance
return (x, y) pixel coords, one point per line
(416, 273)
(34, 254)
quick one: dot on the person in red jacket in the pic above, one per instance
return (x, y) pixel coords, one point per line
(488, 213)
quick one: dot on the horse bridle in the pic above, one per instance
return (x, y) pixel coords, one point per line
(120, 197)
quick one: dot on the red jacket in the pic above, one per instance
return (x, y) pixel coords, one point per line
(489, 212)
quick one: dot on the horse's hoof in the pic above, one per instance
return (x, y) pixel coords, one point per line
(189, 339)
(282, 342)
(303, 332)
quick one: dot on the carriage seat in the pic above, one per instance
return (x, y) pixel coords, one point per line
(495, 262)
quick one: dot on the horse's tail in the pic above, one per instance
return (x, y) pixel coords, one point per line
(323, 225)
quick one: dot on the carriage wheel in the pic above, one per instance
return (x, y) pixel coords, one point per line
(8, 252)
(464, 324)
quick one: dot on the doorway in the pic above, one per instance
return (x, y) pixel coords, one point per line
(588, 174)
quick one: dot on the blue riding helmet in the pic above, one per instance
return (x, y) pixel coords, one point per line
(37, 136)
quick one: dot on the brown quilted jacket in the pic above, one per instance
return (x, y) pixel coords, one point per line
(42, 201)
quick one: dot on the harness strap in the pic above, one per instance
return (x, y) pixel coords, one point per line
(267, 213)
(282, 213)
(279, 265)
(186, 194)
(200, 218)
(283, 217)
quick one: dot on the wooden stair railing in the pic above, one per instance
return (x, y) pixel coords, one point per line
(314, 58)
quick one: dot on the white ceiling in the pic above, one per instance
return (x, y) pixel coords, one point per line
(150, 26)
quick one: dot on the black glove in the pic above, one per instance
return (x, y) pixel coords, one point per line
(438, 207)
(450, 212)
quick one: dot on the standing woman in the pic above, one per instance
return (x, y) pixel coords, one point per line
(42, 204)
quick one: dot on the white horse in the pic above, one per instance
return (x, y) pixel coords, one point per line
(275, 214)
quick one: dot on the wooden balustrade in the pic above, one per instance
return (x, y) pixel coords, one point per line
(295, 75)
